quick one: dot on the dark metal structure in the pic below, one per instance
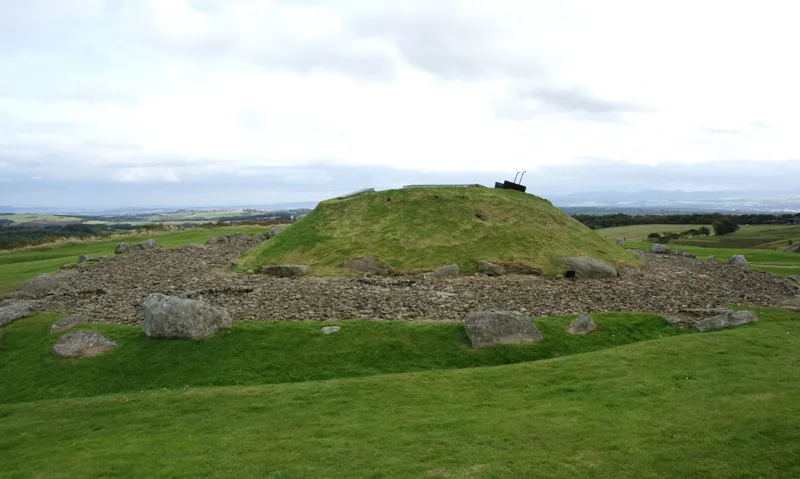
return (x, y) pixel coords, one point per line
(513, 185)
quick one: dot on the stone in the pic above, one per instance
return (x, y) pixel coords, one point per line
(619, 241)
(582, 325)
(82, 344)
(121, 248)
(795, 277)
(66, 323)
(150, 244)
(194, 246)
(173, 317)
(234, 263)
(659, 249)
(367, 264)
(588, 268)
(259, 237)
(42, 285)
(239, 238)
(330, 329)
(490, 269)
(490, 328)
(216, 240)
(791, 304)
(726, 319)
(13, 309)
(285, 270)
(711, 258)
(795, 248)
(274, 231)
(447, 270)
(85, 258)
(739, 260)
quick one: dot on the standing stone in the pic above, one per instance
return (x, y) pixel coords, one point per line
(711, 258)
(84, 258)
(173, 317)
(739, 260)
(582, 325)
(259, 237)
(490, 328)
(82, 344)
(619, 241)
(331, 329)
(13, 309)
(791, 304)
(214, 240)
(795, 248)
(659, 249)
(589, 268)
(726, 319)
(285, 270)
(490, 269)
(447, 270)
(121, 248)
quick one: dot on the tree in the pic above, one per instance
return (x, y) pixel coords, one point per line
(703, 230)
(724, 226)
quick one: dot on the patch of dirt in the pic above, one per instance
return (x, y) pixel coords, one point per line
(113, 290)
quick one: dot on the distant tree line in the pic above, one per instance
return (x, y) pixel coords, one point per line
(18, 236)
(621, 219)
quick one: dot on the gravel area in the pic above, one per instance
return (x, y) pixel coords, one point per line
(113, 289)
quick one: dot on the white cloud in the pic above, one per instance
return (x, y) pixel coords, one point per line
(468, 85)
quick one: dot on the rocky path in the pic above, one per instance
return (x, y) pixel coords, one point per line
(113, 290)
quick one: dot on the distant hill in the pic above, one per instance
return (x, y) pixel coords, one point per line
(418, 229)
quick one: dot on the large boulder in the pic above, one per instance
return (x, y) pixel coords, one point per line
(259, 237)
(367, 264)
(84, 258)
(275, 231)
(240, 238)
(795, 248)
(173, 317)
(726, 319)
(490, 328)
(588, 268)
(739, 260)
(13, 309)
(582, 325)
(447, 270)
(490, 269)
(215, 240)
(121, 248)
(659, 249)
(42, 285)
(66, 323)
(285, 270)
(82, 344)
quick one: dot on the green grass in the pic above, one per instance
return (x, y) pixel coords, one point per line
(37, 218)
(276, 352)
(418, 229)
(754, 256)
(17, 266)
(640, 232)
(775, 237)
(720, 405)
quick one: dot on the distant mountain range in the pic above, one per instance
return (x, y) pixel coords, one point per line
(588, 202)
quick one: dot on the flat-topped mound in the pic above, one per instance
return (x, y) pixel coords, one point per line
(418, 229)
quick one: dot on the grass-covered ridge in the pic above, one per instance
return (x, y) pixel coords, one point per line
(418, 229)
(254, 353)
(720, 404)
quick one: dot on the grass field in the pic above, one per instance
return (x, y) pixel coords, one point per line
(784, 264)
(419, 229)
(721, 404)
(36, 218)
(640, 232)
(19, 265)
(776, 237)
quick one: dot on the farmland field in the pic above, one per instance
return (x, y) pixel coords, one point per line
(640, 232)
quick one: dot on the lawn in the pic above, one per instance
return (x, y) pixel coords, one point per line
(757, 256)
(276, 352)
(640, 232)
(17, 266)
(775, 237)
(720, 404)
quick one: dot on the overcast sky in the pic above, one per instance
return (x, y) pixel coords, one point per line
(142, 102)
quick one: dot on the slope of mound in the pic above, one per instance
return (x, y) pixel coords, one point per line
(417, 229)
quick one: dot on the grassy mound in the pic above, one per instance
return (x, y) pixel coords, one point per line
(720, 404)
(417, 229)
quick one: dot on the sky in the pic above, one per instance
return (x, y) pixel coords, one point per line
(111, 103)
